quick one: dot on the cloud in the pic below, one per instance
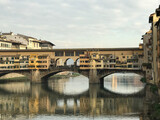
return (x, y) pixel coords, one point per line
(65, 5)
(79, 23)
(4, 2)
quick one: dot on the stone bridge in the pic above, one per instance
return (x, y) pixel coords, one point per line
(94, 75)
(94, 63)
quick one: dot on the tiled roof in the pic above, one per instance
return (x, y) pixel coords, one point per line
(158, 11)
(47, 42)
(25, 36)
(7, 33)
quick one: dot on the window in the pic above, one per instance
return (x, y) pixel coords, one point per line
(94, 55)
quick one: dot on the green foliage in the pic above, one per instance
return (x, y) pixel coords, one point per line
(15, 78)
(148, 65)
(143, 80)
(154, 88)
(65, 76)
(156, 112)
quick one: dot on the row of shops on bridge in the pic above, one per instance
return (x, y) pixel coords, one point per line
(122, 58)
(117, 59)
(22, 62)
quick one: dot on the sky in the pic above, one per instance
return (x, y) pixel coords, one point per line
(79, 23)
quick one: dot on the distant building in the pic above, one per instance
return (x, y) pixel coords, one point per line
(151, 46)
(10, 44)
(19, 41)
(158, 43)
(147, 55)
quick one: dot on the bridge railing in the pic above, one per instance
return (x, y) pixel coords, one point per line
(69, 68)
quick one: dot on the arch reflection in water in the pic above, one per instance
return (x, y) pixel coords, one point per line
(124, 83)
(69, 86)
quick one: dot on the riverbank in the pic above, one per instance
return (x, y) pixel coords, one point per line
(14, 79)
(59, 76)
(152, 103)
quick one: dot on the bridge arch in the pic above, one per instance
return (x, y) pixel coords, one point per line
(77, 62)
(105, 73)
(48, 75)
(45, 76)
(59, 62)
(25, 73)
(69, 62)
(109, 72)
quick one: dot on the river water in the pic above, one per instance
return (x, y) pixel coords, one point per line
(120, 98)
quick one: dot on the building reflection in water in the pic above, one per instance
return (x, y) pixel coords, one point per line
(114, 82)
(40, 100)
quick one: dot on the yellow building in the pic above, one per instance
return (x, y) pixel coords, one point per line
(39, 61)
(22, 62)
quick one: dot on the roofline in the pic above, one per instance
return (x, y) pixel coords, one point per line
(72, 49)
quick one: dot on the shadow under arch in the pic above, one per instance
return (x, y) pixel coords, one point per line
(77, 62)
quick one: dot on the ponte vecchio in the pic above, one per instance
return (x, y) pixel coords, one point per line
(94, 63)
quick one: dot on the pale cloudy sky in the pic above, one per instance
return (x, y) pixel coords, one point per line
(79, 23)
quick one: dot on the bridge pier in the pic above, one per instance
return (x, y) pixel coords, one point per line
(93, 76)
(36, 76)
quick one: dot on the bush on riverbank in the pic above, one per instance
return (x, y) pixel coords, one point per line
(65, 76)
(156, 112)
(14, 79)
(143, 80)
(153, 88)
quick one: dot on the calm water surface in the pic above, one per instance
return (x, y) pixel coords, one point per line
(73, 99)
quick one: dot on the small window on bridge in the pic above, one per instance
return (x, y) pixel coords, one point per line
(79, 52)
(59, 53)
(71, 53)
